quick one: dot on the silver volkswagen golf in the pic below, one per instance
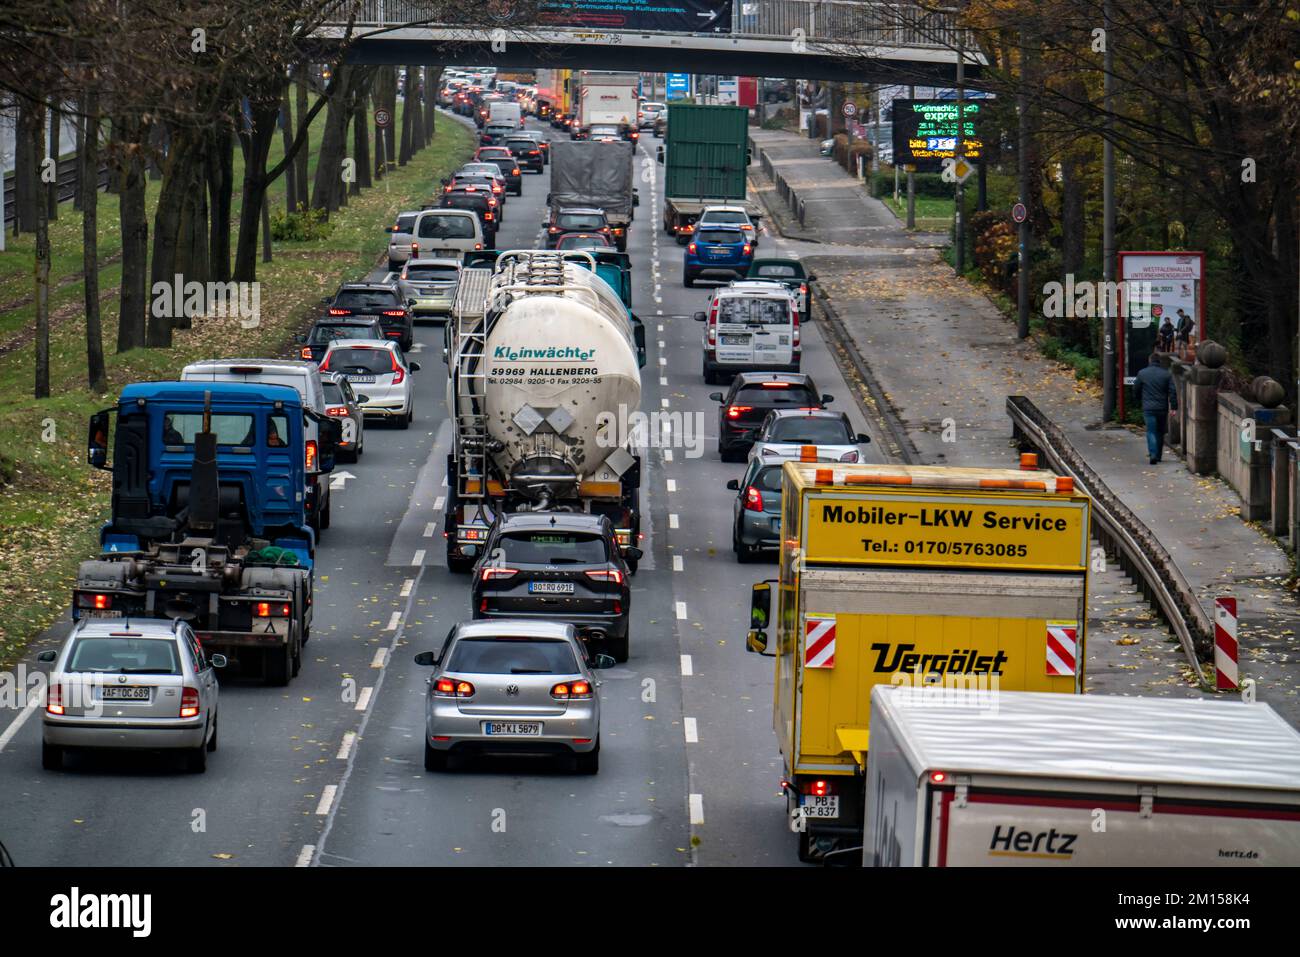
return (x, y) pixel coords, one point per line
(508, 686)
(131, 683)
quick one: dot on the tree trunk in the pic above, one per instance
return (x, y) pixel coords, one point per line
(79, 147)
(87, 181)
(300, 161)
(325, 189)
(404, 155)
(220, 166)
(257, 145)
(415, 106)
(291, 172)
(27, 174)
(135, 233)
(170, 238)
(360, 145)
(1073, 188)
(42, 274)
(432, 81)
(52, 188)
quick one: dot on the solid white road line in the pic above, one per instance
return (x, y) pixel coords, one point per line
(688, 668)
(305, 855)
(419, 558)
(349, 739)
(394, 621)
(672, 520)
(697, 808)
(363, 699)
(678, 564)
(406, 587)
(681, 611)
(381, 655)
(33, 702)
(326, 799)
(692, 731)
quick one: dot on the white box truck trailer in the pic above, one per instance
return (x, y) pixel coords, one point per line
(961, 778)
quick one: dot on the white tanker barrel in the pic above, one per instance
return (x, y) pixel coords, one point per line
(560, 364)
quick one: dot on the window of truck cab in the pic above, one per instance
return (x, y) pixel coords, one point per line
(233, 430)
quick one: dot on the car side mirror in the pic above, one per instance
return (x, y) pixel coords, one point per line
(715, 397)
(700, 316)
(97, 441)
(331, 434)
(300, 339)
(414, 367)
(734, 485)
(827, 399)
(760, 605)
(659, 155)
(219, 661)
(863, 438)
(426, 658)
(756, 641)
(600, 662)
(633, 553)
(636, 198)
(363, 399)
(812, 277)
(47, 656)
(410, 302)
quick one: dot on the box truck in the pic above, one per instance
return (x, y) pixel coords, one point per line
(706, 158)
(1016, 779)
(912, 575)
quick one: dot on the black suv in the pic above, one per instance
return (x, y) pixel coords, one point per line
(379, 300)
(527, 153)
(751, 397)
(557, 565)
(314, 345)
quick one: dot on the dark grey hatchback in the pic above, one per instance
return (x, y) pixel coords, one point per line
(561, 566)
(756, 512)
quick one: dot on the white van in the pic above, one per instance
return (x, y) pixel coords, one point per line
(505, 113)
(445, 233)
(750, 328)
(305, 378)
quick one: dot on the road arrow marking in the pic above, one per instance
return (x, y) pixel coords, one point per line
(338, 478)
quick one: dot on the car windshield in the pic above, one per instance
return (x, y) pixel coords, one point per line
(604, 131)
(505, 164)
(580, 221)
(473, 179)
(811, 430)
(126, 656)
(521, 144)
(361, 360)
(726, 216)
(782, 394)
(774, 271)
(553, 548)
(322, 334)
(512, 656)
(366, 300)
(728, 236)
(474, 201)
(487, 169)
(431, 273)
(582, 241)
(762, 310)
(179, 428)
(446, 227)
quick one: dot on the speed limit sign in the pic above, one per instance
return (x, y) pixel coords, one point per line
(383, 118)
(850, 108)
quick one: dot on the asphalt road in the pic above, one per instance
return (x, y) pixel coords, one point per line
(328, 771)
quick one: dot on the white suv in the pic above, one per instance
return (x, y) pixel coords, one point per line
(379, 373)
(750, 327)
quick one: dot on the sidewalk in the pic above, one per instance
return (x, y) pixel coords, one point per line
(946, 359)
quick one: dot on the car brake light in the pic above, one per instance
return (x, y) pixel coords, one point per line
(415, 250)
(343, 312)
(94, 600)
(309, 457)
(394, 312)
(735, 411)
(273, 609)
(803, 289)
(690, 248)
(453, 688)
(478, 245)
(491, 203)
(515, 171)
(489, 216)
(337, 410)
(54, 700)
(491, 572)
(794, 327)
(306, 352)
(571, 690)
(818, 788)
(746, 249)
(776, 385)
(399, 373)
(189, 702)
(753, 499)
(606, 575)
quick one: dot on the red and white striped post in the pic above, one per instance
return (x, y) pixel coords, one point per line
(1225, 644)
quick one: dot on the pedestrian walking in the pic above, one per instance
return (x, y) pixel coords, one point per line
(1183, 333)
(1154, 388)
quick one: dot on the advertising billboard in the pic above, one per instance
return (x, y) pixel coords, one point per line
(925, 132)
(1173, 291)
(678, 86)
(669, 16)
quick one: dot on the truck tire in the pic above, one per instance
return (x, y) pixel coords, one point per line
(325, 515)
(278, 664)
(51, 757)
(588, 763)
(805, 849)
(297, 660)
(434, 760)
(618, 647)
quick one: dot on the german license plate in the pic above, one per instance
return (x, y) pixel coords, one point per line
(124, 693)
(361, 378)
(522, 729)
(551, 588)
(827, 805)
(739, 340)
(446, 252)
(101, 613)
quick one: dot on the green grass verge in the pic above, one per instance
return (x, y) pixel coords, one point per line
(51, 510)
(933, 214)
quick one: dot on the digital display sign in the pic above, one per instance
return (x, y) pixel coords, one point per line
(925, 132)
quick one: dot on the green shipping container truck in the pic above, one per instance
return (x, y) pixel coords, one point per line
(705, 157)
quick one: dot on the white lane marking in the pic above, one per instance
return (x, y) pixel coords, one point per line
(659, 312)
(394, 621)
(661, 342)
(687, 668)
(418, 347)
(697, 808)
(429, 529)
(663, 361)
(326, 799)
(664, 403)
(349, 739)
(33, 702)
(663, 380)
(672, 520)
(661, 329)
(681, 611)
(679, 564)
(305, 855)
(406, 588)
(381, 655)
(444, 481)
(363, 699)
(419, 558)
(672, 485)
(668, 455)
(692, 731)
(437, 503)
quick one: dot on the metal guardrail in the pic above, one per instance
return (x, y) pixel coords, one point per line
(1122, 533)
(66, 181)
(833, 23)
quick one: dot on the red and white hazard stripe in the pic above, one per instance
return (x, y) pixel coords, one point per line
(819, 641)
(1062, 648)
(1225, 644)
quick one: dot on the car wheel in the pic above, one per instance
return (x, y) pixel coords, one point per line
(278, 665)
(805, 848)
(212, 741)
(51, 757)
(393, 266)
(197, 759)
(325, 516)
(434, 760)
(618, 647)
(588, 763)
(632, 565)
(688, 280)
(404, 422)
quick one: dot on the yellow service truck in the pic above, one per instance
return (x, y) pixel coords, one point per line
(917, 576)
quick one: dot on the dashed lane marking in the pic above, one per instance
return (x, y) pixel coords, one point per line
(697, 808)
(349, 739)
(679, 563)
(692, 731)
(326, 799)
(363, 699)
(688, 668)
(681, 611)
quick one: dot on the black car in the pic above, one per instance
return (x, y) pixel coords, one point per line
(509, 169)
(324, 331)
(482, 203)
(751, 397)
(380, 301)
(557, 565)
(527, 153)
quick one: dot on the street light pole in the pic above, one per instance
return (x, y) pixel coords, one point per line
(960, 257)
(1022, 163)
(1108, 357)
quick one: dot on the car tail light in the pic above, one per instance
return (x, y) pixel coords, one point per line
(415, 250)
(606, 575)
(515, 171)
(489, 216)
(819, 788)
(54, 700)
(753, 499)
(746, 249)
(446, 189)
(399, 374)
(309, 457)
(572, 690)
(305, 352)
(688, 229)
(478, 245)
(337, 410)
(776, 385)
(345, 312)
(272, 609)
(189, 702)
(97, 600)
(394, 312)
(735, 411)
(849, 456)
(794, 327)
(496, 189)
(491, 203)
(453, 688)
(492, 572)
(690, 248)
(803, 289)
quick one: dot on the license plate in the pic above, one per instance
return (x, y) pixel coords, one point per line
(551, 588)
(361, 378)
(446, 252)
(516, 728)
(824, 806)
(101, 613)
(124, 693)
(727, 340)
(719, 251)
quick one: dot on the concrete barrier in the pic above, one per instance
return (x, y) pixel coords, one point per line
(1245, 449)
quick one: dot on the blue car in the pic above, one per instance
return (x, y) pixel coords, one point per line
(716, 252)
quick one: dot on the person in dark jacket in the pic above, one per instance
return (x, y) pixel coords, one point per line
(1154, 388)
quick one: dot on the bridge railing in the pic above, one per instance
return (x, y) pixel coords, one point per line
(824, 22)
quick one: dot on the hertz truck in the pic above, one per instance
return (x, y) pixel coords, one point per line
(918, 576)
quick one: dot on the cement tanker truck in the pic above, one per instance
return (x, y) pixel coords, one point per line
(544, 363)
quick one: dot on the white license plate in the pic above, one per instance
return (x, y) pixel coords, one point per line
(101, 613)
(551, 588)
(523, 729)
(124, 693)
(361, 378)
(446, 252)
(824, 806)
(727, 340)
